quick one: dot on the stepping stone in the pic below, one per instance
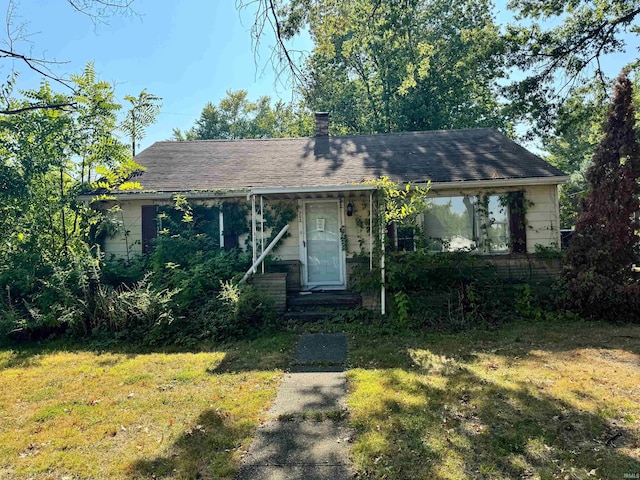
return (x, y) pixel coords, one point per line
(316, 348)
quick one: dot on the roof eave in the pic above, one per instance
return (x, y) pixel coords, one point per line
(502, 182)
(142, 195)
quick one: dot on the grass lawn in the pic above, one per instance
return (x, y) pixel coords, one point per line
(73, 413)
(532, 401)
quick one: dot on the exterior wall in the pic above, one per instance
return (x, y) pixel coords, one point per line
(130, 218)
(542, 218)
(289, 248)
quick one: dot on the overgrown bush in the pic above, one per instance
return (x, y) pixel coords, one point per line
(450, 291)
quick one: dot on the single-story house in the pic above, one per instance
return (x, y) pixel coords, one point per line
(488, 195)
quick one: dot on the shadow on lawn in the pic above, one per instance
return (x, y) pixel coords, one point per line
(500, 432)
(259, 353)
(448, 422)
(205, 450)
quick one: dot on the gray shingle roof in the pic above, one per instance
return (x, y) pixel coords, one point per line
(439, 156)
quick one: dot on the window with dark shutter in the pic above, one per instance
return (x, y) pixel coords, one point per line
(517, 226)
(149, 227)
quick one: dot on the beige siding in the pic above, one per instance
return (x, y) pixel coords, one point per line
(129, 219)
(357, 237)
(543, 222)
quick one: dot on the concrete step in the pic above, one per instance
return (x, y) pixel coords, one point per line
(327, 300)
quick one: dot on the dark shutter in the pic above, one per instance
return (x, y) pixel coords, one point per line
(517, 225)
(149, 227)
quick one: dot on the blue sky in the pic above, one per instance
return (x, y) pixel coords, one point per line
(188, 52)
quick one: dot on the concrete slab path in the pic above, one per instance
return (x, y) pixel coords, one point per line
(306, 434)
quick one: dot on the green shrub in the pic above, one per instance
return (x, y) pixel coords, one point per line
(451, 291)
(119, 271)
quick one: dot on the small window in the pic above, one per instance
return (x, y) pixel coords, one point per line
(405, 238)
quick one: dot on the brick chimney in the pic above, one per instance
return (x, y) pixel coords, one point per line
(322, 124)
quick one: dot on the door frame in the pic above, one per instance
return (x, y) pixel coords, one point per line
(304, 277)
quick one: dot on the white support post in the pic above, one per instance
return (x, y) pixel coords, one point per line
(262, 229)
(371, 231)
(221, 227)
(253, 229)
(383, 290)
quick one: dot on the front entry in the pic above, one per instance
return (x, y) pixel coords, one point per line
(323, 258)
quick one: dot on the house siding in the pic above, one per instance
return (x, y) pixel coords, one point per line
(542, 221)
(130, 218)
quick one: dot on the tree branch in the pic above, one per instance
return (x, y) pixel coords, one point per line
(37, 106)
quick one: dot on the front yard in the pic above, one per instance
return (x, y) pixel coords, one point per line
(526, 401)
(73, 413)
(537, 401)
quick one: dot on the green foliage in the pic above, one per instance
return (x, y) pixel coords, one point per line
(401, 204)
(398, 66)
(559, 44)
(571, 145)
(450, 291)
(237, 117)
(598, 277)
(143, 112)
(276, 216)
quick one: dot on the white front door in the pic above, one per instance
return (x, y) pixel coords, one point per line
(323, 258)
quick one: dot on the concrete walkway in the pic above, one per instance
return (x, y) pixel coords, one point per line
(306, 435)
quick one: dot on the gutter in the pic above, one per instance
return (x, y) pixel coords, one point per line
(167, 195)
(501, 182)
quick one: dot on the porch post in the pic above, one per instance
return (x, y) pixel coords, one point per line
(253, 229)
(262, 229)
(383, 291)
(371, 231)
(221, 226)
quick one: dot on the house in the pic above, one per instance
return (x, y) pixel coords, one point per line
(488, 195)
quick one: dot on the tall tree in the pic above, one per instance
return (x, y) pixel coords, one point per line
(571, 144)
(560, 44)
(238, 117)
(47, 156)
(604, 246)
(142, 113)
(399, 65)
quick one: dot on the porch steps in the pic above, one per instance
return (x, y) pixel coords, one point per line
(319, 306)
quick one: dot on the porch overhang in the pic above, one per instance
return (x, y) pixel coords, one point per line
(297, 192)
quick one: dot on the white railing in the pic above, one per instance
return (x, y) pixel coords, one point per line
(266, 252)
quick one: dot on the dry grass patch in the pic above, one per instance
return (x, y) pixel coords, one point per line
(81, 414)
(534, 401)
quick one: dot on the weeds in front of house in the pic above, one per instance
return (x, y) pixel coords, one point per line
(529, 400)
(70, 412)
